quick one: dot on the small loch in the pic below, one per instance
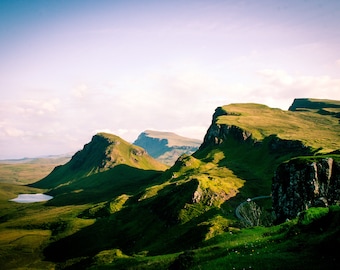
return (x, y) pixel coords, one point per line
(31, 198)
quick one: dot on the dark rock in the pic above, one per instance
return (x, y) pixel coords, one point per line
(301, 104)
(219, 133)
(282, 146)
(301, 183)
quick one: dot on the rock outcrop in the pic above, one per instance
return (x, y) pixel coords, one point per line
(219, 133)
(303, 183)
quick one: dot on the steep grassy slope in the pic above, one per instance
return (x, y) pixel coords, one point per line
(100, 171)
(166, 146)
(104, 152)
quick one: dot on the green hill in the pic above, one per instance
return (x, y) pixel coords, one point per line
(100, 171)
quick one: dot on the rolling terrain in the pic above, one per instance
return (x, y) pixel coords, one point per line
(29, 170)
(115, 207)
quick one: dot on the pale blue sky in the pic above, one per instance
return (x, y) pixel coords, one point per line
(71, 68)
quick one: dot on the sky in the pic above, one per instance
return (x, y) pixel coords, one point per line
(70, 69)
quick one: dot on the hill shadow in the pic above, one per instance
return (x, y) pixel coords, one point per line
(254, 161)
(150, 225)
(99, 187)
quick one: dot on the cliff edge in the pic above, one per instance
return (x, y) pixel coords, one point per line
(305, 182)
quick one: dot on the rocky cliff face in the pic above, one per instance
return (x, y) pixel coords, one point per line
(219, 133)
(301, 183)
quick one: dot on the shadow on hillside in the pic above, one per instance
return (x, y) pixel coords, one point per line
(103, 186)
(149, 225)
(256, 162)
(253, 162)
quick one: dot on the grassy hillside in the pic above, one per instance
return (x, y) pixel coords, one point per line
(296, 244)
(321, 132)
(103, 153)
(105, 167)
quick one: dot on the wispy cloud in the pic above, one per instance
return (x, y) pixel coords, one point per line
(280, 87)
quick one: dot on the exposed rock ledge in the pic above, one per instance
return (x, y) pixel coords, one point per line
(303, 183)
(217, 134)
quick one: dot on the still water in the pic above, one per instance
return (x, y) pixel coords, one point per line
(31, 198)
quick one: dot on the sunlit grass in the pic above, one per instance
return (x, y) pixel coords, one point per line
(263, 121)
(118, 203)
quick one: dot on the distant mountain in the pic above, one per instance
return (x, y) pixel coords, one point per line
(320, 106)
(300, 104)
(166, 146)
(50, 159)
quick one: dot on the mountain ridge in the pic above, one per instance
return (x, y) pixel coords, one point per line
(257, 121)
